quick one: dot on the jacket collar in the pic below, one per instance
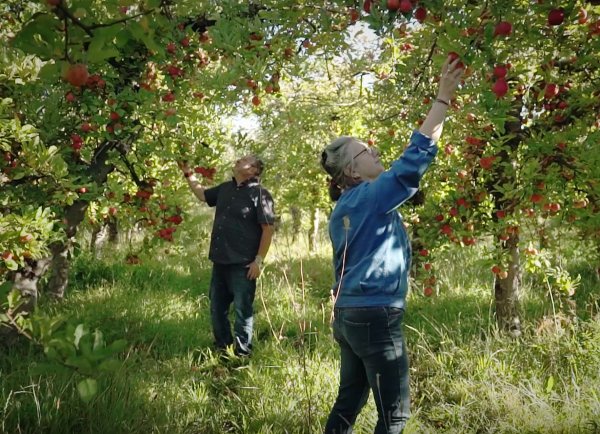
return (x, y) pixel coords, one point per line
(250, 182)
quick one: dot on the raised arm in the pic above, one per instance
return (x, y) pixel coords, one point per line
(449, 79)
(192, 181)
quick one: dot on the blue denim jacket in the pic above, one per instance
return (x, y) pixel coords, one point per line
(369, 239)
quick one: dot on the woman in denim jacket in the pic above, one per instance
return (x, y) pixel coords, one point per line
(372, 260)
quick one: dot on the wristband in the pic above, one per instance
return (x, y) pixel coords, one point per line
(441, 101)
(258, 260)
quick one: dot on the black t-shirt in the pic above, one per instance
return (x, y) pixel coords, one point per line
(240, 211)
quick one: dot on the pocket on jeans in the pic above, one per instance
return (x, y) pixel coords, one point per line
(357, 335)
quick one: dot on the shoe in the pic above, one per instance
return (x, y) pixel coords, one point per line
(242, 349)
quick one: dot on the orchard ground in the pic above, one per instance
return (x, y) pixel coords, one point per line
(466, 377)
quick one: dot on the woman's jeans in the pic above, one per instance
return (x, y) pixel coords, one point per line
(373, 356)
(229, 284)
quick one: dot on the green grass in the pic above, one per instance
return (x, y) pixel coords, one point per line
(466, 377)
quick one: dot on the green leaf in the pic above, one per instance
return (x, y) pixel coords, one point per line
(98, 340)
(50, 71)
(48, 368)
(39, 36)
(144, 36)
(118, 346)
(11, 264)
(87, 389)
(100, 50)
(51, 353)
(80, 331)
(110, 365)
(80, 363)
(550, 384)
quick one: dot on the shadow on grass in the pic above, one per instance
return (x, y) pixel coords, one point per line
(157, 309)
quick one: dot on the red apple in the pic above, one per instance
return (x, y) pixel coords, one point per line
(423, 252)
(500, 87)
(556, 17)
(405, 6)
(453, 56)
(367, 6)
(428, 291)
(551, 91)
(496, 269)
(427, 266)
(26, 238)
(114, 116)
(474, 141)
(500, 214)
(536, 198)
(503, 28)
(256, 100)
(77, 74)
(487, 162)
(169, 97)
(420, 14)
(354, 15)
(393, 5)
(500, 71)
(70, 97)
(582, 16)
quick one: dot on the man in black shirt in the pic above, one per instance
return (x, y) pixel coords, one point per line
(241, 237)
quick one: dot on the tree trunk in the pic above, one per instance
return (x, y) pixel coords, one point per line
(314, 229)
(59, 265)
(296, 222)
(507, 291)
(59, 269)
(25, 280)
(74, 215)
(107, 232)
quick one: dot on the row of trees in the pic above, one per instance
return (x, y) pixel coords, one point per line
(100, 99)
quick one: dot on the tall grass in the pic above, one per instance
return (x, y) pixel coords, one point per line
(466, 376)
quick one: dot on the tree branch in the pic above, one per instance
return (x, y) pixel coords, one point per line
(122, 20)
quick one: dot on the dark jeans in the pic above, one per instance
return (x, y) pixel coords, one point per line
(373, 356)
(229, 284)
